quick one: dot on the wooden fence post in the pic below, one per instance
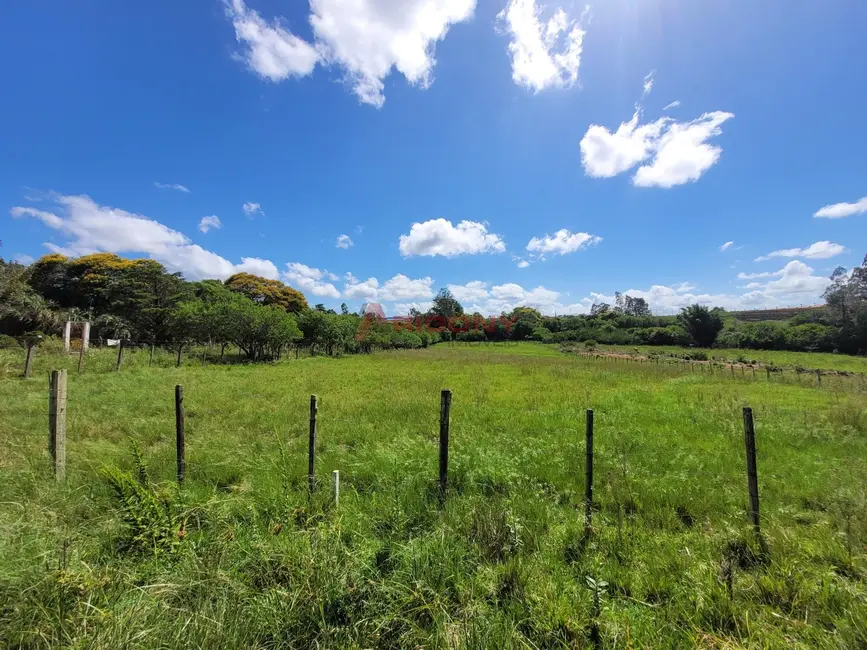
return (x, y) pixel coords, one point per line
(57, 422)
(28, 361)
(445, 421)
(180, 355)
(81, 352)
(119, 356)
(752, 476)
(311, 447)
(819, 377)
(588, 474)
(180, 442)
(335, 484)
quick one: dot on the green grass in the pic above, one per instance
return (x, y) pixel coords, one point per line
(241, 557)
(811, 360)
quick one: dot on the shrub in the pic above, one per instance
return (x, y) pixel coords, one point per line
(8, 342)
(542, 334)
(590, 345)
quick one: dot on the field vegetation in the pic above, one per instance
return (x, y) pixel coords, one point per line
(242, 555)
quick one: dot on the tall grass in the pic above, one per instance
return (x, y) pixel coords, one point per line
(242, 556)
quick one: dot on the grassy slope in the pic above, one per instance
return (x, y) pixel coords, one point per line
(812, 360)
(499, 566)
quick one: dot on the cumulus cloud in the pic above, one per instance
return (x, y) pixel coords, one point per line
(400, 287)
(821, 250)
(172, 186)
(207, 223)
(367, 40)
(794, 284)
(605, 154)
(310, 280)
(90, 228)
(562, 242)
(440, 237)
(21, 258)
(682, 153)
(674, 152)
(545, 54)
(523, 264)
(726, 246)
(270, 50)
(470, 292)
(404, 308)
(344, 241)
(840, 210)
(252, 209)
(355, 289)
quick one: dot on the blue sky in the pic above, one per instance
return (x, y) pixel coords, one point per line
(376, 150)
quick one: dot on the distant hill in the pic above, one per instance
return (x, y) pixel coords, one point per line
(783, 313)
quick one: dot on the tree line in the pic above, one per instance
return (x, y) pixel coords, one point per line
(139, 300)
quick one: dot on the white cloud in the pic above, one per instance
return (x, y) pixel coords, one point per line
(210, 222)
(648, 84)
(398, 288)
(794, 284)
(172, 186)
(470, 292)
(682, 153)
(605, 154)
(310, 280)
(754, 276)
(91, 228)
(673, 104)
(523, 264)
(562, 242)
(840, 210)
(272, 52)
(21, 258)
(404, 308)
(544, 54)
(505, 297)
(796, 278)
(366, 39)
(440, 237)
(367, 290)
(252, 209)
(821, 250)
(344, 241)
(726, 246)
(677, 151)
(401, 287)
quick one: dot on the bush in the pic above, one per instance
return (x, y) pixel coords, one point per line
(542, 334)
(8, 342)
(590, 345)
(811, 337)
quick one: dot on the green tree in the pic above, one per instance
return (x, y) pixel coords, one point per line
(446, 305)
(701, 323)
(525, 321)
(267, 292)
(846, 305)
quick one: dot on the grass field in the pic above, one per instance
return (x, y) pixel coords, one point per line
(779, 358)
(242, 557)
